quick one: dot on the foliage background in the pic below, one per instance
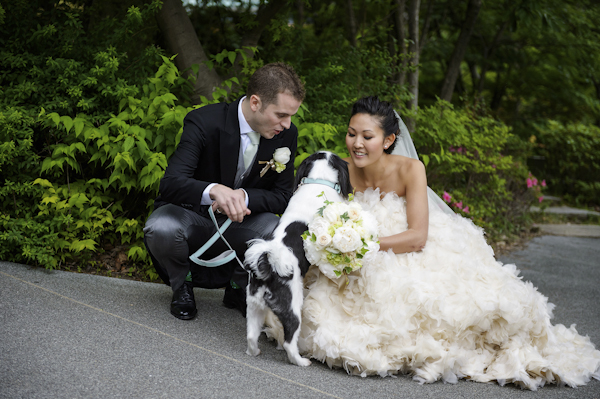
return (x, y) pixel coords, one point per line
(92, 104)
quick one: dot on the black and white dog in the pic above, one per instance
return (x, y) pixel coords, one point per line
(277, 267)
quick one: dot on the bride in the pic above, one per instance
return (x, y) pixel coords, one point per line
(433, 302)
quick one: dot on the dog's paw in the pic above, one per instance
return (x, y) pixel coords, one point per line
(302, 362)
(253, 351)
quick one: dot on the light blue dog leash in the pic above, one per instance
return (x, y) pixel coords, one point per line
(226, 256)
(230, 254)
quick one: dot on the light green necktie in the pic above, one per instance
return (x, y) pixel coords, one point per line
(251, 149)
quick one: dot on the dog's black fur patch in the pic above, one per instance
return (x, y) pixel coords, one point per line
(279, 287)
(293, 240)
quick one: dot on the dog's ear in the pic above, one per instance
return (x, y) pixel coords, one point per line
(343, 175)
(303, 170)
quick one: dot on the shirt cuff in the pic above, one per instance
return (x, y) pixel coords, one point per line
(206, 195)
(206, 200)
(246, 196)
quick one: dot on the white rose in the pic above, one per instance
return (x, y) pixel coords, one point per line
(346, 239)
(323, 240)
(282, 155)
(354, 211)
(328, 270)
(361, 231)
(312, 253)
(318, 226)
(331, 213)
(372, 249)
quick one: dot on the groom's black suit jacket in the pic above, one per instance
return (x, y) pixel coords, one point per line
(208, 153)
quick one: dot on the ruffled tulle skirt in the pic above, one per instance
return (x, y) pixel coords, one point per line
(450, 311)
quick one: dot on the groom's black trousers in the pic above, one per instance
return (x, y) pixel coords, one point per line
(173, 233)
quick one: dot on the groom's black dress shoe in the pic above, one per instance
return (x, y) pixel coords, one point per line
(183, 305)
(235, 299)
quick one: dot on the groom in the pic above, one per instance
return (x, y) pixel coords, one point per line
(218, 163)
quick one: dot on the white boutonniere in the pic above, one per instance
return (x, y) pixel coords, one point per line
(281, 156)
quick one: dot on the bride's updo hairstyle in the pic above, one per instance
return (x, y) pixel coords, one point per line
(383, 112)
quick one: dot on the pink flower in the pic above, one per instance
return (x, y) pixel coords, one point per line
(540, 199)
(458, 205)
(451, 149)
(535, 182)
(544, 183)
(494, 166)
(447, 197)
(529, 183)
(466, 209)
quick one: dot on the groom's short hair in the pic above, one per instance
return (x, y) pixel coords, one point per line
(270, 80)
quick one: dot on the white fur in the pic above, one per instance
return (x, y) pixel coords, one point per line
(302, 207)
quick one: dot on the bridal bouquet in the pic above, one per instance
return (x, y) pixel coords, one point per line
(340, 237)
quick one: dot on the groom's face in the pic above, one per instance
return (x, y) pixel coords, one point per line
(272, 119)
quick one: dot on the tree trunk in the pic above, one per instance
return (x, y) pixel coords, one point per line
(426, 24)
(401, 38)
(597, 86)
(413, 50)
(474, 74)
(351, 22)
(264, 15)
(487, 54)
(300, 10)
(459, 50)
(182, 40)
(500, 88)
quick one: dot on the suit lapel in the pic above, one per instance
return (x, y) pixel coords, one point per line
(230, 145)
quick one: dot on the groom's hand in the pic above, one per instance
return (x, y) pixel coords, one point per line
(230, 202)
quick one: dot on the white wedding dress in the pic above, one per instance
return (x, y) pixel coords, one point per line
(447, 312)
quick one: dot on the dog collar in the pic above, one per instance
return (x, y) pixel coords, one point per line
(335, 186)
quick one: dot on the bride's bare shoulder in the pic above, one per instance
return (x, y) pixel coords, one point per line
(407, 166)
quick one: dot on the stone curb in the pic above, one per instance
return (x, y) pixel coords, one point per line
(570, 230)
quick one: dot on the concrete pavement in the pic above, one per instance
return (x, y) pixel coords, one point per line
(69, 335)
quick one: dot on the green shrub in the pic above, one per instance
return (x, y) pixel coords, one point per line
(465, 154)
(571, 156)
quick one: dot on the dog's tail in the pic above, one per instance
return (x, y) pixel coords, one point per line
(265, 257)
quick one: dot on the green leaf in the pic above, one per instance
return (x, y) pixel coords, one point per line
(67, 122)
(129, 142)
(231, 57)
(55, 118)
(80, 245)
(78, 123)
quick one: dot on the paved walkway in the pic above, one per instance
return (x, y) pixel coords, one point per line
(69, 335)
(568, 229)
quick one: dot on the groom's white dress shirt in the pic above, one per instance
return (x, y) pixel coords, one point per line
(245, 141)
